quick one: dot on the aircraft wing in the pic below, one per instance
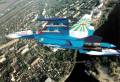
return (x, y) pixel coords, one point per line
(102, 52)
(59, 25)
(96, 47)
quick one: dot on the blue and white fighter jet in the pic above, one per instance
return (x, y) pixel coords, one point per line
(58, 34)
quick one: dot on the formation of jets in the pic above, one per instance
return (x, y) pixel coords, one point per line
(57, 33)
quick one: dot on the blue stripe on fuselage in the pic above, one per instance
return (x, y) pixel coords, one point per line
(60, 39)
(55, 36)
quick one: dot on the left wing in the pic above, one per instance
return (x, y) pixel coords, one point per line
(56, 24)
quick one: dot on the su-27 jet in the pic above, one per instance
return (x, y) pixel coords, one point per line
(57, 33)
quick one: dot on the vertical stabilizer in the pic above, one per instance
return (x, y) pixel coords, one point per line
(82, 28)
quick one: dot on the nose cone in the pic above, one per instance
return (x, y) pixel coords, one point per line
(19, 34)
(13, 36)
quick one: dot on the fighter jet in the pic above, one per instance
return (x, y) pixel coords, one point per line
(57, 33)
